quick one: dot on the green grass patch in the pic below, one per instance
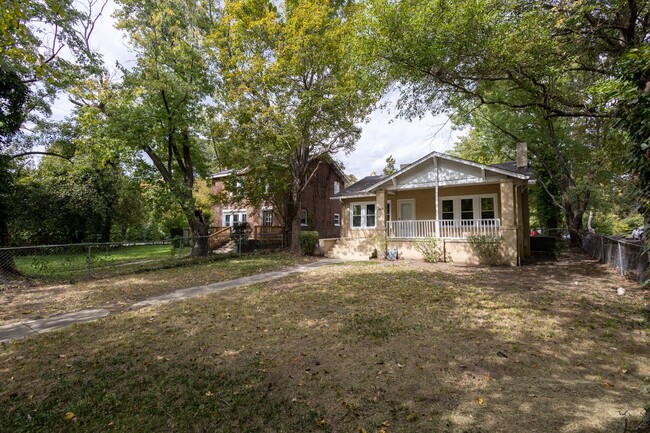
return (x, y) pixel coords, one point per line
(30, 301)
(61, 264)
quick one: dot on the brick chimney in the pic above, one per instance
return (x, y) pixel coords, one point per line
(522, 155)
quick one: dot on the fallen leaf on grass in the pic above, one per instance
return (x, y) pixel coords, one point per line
(70, 416)
(480, 401)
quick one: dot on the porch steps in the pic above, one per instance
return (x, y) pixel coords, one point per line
(351, 249)
(227, 248)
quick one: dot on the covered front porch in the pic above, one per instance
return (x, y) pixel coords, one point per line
(440, 197)
(448, 229)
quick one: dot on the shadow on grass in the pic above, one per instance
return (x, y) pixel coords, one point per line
(348, 348)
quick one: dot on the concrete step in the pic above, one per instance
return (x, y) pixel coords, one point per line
(227, 248)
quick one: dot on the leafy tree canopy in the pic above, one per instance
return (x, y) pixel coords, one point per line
(292, 93)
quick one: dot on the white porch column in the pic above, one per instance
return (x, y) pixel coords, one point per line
(437, 228)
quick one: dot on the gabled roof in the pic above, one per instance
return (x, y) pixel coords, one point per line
(336, 167)
(365, 187)
(512, 166)
(449, 158)
(359, 188)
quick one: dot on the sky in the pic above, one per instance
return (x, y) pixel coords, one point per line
(383, 135)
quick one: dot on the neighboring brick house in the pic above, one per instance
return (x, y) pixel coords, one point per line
(317, 212)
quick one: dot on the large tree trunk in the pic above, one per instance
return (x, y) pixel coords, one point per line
(199, 230)
(294, 215)
(298, 172)
(574, 224)
(295, 234)
(288, 216)
(574, 210)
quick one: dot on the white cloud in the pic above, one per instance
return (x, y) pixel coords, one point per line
(109, 41)
(407, 141)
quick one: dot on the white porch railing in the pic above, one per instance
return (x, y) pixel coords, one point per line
(447, 228)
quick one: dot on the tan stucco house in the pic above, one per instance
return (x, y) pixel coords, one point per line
(438, 196)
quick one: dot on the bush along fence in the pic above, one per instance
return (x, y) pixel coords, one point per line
(626, 256)
(91, 260)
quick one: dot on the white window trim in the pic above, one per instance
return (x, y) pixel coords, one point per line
(364, 214)
(337, 187)
(232, 212)
(477, 204)
(337, 220)
(306, 223)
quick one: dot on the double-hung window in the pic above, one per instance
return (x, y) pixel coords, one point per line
(447, 213)
(232, 217)
(303, 217)
(488, 211)
(467, 211)
(363, 215)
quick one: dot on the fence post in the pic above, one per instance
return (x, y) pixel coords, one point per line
(620, 257)
(89, 259)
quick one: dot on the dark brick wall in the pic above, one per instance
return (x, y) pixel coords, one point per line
(316, 200)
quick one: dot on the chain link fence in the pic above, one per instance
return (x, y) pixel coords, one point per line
(93, 260)
(625, 255)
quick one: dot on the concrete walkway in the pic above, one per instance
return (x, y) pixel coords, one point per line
(32, 327)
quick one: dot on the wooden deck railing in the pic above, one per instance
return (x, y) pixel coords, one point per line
(447, 228)
(218, 237)
(270, 233)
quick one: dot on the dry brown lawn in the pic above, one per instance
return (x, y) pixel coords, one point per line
(363, 347)
(36, 300)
